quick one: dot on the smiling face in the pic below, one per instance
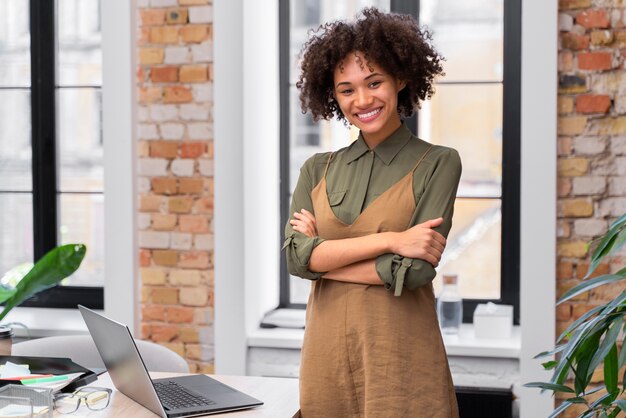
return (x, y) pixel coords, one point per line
(368, 97)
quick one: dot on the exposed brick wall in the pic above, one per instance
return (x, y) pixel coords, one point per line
(175, 170)
(591, 144)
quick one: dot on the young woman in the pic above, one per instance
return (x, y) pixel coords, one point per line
(369, 225)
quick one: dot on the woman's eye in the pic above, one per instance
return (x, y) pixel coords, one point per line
(375, 84)
(346, 91)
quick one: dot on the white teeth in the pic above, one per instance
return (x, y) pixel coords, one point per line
(369, 114)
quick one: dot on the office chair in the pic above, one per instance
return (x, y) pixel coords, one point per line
(82, 350)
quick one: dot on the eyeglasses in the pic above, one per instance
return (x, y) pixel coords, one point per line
(96, 399)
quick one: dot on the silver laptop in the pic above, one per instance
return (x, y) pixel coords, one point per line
(185, 396)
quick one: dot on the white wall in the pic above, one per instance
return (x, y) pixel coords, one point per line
(246, 116)
(538, 190)
(118, 124)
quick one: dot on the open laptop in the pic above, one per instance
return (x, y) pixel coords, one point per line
(185, 396)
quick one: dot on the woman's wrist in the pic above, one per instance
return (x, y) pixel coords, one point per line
(390, 239)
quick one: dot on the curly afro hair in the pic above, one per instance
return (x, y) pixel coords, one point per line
(395, 42)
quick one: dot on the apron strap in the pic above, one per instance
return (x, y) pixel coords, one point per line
(422, 158)
(330, 157)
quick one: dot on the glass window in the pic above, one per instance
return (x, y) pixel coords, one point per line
(467, 113)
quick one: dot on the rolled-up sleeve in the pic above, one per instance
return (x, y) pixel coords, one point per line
(297, 246)
(437, 200)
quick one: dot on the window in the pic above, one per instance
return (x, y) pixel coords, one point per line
(51, 170)
(480, 93)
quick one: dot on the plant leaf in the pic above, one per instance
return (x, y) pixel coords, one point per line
(584, 355)
(549, 386)
(579, 321)
(584, 331)
(587, 285)
(621, 403)
(560, 409)
(611, 371)
(607, 344)
(622, 354)
(557, 349)
(606, 245)
(599, 400)
(5, 293)
(54, 266)
(549, 365)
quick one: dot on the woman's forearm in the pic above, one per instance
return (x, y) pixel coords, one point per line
(362, 272)
(334, 254)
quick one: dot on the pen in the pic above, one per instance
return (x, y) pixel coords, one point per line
(45, 380)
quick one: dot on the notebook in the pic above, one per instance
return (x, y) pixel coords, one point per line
(185, 396)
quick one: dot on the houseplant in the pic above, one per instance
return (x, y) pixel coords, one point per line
(54, 266)
(592, 340)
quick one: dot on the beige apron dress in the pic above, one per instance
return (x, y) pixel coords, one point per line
(367, 353)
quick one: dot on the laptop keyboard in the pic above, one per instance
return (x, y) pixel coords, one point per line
(174, 396)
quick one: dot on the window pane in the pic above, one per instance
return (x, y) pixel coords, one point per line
(14, 43)
(80, 140)
(16, 230)
(469, 119)
(309, 14)
(469, 34)
(473, 248)
(15, 132)
(309, 137)
(82, 221)
(79, 38)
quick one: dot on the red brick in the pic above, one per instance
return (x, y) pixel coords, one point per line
(579, 309)
(164, 35)
(144, 36)
(177, 94)
(163, 149)
(144, 258)
(164, 185)
(193, 223)
(180, 204)
(582, 268)
(165, 295)
(563, 286)
(167, 74)
(193, 73)
(195, 260)
(163, 333)
(574, 41)
(168, 258)
(564, 145)
(205, 204)
(187, 185)
(146, 330)
(564, 270)
(150, 17)
(141, 75)
(192, 149)
(176, 16)
(595, 61)
(153, 313)
(564, 312)
(593, 19)
(194, 33)
(150, 94)
(566, 61)
(180, 314)
(593, 103)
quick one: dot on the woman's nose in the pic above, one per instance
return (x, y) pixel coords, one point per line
(363, 98)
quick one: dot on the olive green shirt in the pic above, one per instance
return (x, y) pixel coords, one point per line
(357, 176)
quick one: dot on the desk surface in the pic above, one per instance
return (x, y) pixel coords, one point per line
(280, 397)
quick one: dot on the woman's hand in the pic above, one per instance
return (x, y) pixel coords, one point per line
(304, 223)
(420, 241)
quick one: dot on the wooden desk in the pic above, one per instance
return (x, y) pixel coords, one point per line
(280, 397)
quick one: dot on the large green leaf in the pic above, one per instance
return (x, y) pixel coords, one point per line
(621, 403)
(587, 285)
(584, 354)
(5, 293)
(549, 386)
(610, 373)
(587, 329)
(54, 266)
(607, 345)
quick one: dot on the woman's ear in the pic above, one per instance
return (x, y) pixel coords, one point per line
(401, 85)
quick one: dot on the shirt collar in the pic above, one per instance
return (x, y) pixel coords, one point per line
(386, 150)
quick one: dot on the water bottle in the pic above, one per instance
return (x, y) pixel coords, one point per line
(450, 305)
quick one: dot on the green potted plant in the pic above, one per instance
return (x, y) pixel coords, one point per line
(54, 266)
(592, 340)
